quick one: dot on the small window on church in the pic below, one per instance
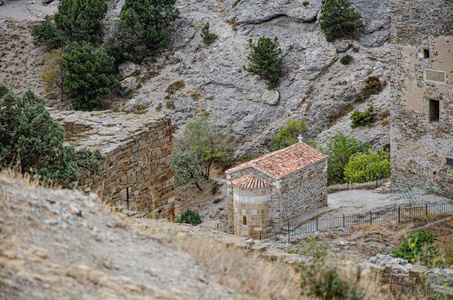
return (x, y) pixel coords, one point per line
(434, 110)
(425, 53)
(244, 220)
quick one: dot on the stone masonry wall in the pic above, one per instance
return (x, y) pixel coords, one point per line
(303, 191)
(254, 205)
(422, 73)
(233, 176)
(136, 169)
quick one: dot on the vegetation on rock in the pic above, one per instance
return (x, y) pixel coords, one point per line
(365, 167)
(345, 60)
(266, 60)
(288, 135)
(373, 86)
(89, 76)
(32, 142)
(338, 19)
(189, 217)
(340, 148)
(208, 38)
(200, 144)
(363, 118)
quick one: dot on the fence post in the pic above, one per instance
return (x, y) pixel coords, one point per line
(426, 209)
(371, 218)
(399, 214)
(317, 225)
(343, 222)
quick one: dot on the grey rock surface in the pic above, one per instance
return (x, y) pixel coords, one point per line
(315, 87)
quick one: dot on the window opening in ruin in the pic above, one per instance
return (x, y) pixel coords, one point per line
(244, 220)
(434, 110)
(425, 53)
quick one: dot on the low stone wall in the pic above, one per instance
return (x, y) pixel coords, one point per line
(136, 169)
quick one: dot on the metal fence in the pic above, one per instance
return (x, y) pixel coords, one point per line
(399, 214)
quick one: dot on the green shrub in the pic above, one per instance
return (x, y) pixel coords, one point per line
(266, 60)
(288, 135)
(214, 188)
(373, 86)
(208, 38)
(305, 3)
(418, 247)
(365, 167)
(363, 118)
(345, 60)
(189, 217)
(90, 76)
(32, 142)
(320, 276)
(340, 148)
(338, 19)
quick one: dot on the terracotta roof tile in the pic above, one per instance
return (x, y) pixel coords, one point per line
(285, 161)
(251, 182)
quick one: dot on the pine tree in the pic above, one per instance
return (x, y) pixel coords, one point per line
(32, 142)
(142, 29)
(90, 76)
(339, 19)
(266, 60)
(81, 20)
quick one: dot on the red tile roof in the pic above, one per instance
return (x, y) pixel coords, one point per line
(251, 182)
(285, 161)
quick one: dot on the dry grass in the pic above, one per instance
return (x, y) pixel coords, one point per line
(230, 267)
(29, 181)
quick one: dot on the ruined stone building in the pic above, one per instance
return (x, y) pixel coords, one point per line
(275, 188)
(421, 134)
(136, 169)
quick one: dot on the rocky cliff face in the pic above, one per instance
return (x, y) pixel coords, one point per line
(315, 87)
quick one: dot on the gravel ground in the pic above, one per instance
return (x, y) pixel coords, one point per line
(24, 10)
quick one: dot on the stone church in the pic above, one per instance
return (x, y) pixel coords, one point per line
(276, 188)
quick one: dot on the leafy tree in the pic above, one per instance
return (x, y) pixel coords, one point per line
(338, 19)
(288, 135)
(363, 118)
(208, 38)
(48, 34)
(200, 144)
(90, 76)
(32, 142)
(53, 72)
(81, 20)
(339, 149)
(365, 167)
(266, 60)
(189, 217)
(151, 20)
